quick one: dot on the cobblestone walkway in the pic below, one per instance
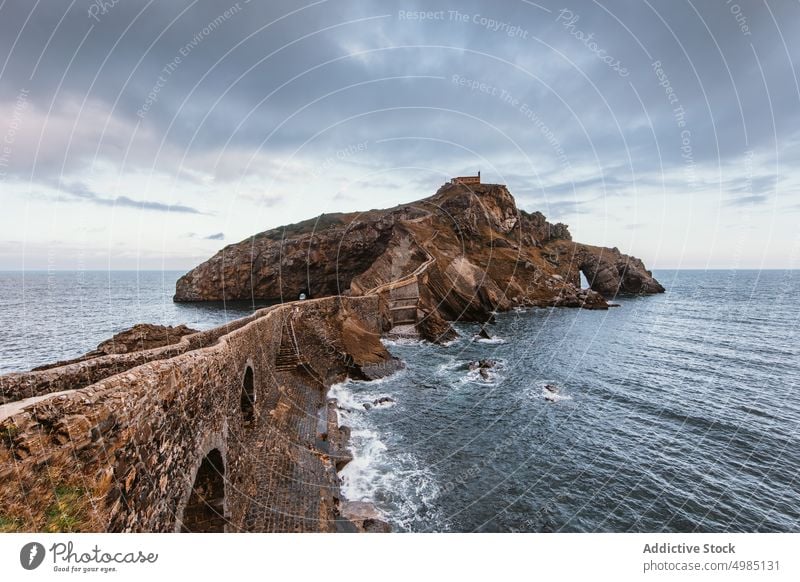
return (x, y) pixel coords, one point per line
(296, 480)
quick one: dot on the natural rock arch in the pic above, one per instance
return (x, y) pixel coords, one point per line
(205, 509)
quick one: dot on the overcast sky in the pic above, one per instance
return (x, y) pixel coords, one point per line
(149, 134)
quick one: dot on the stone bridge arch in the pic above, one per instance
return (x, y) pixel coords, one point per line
(204, 506)
(247, 397)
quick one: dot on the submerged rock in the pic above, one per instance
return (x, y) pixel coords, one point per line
(483, 367)
(383, 400)
(482, 364)
(551, 392)
(364, 517)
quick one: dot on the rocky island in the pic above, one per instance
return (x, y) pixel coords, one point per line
(231, 429)
(461, 254)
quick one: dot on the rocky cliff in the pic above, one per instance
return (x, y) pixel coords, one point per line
(469, 250)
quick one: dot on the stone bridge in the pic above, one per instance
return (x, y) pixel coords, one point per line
(227, 430)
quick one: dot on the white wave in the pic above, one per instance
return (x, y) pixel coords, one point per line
(490, 375)
(345, 398)
(402, 341)
(493, 340)
(352, 395)
(449, 367)
(360, 475)
(554, 396)
(397, 484)
(382, 380)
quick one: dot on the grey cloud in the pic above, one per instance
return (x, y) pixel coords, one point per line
(216, 236)
(756, 189)
(748, 200)
(312, 96)
(80, 192)
(559, 209)
(757, 184)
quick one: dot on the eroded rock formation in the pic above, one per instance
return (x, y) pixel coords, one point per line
(461, 254)
(142, 336)
(608, 271)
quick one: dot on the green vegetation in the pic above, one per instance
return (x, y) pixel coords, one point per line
(8, 432)
(66, 513)
(10, 524)
(322, 222)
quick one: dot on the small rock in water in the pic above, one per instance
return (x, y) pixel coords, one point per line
(482, 365)
(550, 392)
(378, 402)
(483, 334)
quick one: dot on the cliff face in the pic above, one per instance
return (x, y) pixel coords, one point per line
(469, 248)
(320, 256)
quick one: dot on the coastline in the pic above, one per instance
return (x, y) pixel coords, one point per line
(239, 416)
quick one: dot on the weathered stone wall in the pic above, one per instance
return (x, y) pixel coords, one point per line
(122, 454)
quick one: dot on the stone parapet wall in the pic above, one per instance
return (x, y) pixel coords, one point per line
(81, 373)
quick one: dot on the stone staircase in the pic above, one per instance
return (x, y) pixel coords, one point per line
(403, 309)
(403, 303)
(403, 297)
(288, 357)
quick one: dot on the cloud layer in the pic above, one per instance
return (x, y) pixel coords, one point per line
(241, 116)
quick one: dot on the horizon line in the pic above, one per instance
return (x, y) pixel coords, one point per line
(40, 270)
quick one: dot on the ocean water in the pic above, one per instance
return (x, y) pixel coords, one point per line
(50, 316)
(676, 412)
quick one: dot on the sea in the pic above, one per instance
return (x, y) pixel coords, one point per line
(670, 413)
(47, 316)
